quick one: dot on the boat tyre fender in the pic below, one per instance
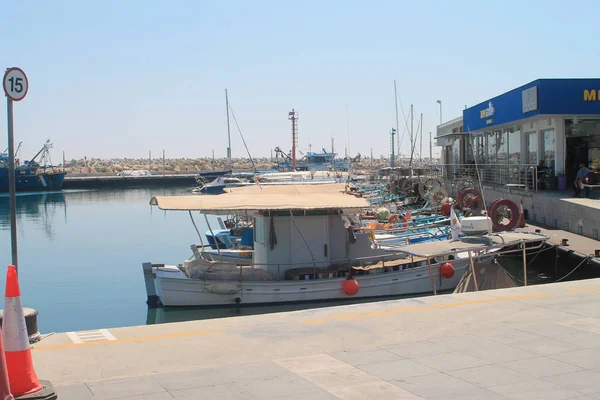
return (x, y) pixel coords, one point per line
(469, 198)
(445, 210)
(498, 218)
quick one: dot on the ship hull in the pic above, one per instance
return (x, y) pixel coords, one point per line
(27, 182)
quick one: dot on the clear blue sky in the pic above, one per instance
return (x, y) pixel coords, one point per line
(120, 78)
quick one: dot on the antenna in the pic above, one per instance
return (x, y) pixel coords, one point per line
(293, 116)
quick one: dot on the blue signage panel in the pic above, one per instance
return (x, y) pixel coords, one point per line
(570, 96)
(543, 96)
(511, 106)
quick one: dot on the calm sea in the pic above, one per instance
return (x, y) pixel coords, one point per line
(81, 254)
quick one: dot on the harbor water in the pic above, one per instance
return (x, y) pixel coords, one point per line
(81, 254)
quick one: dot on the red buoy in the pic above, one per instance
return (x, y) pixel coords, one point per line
(447, 270)
(351, 286)
(446, 209)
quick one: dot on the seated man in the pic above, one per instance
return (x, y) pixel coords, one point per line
(580, 179)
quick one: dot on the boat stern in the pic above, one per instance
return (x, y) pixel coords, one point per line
(149, 275)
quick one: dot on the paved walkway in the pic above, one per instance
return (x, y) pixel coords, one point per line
(538, 342)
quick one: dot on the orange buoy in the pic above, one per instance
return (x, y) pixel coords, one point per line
(351, 286)
(447, 270)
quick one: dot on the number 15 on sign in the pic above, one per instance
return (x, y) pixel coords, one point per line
(15, 84)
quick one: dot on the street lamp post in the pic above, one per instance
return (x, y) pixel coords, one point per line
(440, 103)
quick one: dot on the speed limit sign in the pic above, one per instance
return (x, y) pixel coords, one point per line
(15, 84)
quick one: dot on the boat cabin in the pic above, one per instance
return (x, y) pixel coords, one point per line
(295, 227)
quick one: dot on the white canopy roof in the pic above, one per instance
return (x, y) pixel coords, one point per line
(253, 199)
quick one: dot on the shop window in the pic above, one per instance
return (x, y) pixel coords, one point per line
(456, 152)
(514, 147)
(549, 146)
(502, 147)
(531, 148)
(491, 148)
(467, 150)
(594, 153)
(478, 148)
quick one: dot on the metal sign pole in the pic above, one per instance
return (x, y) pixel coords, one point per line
(15, 85)
(11, 184)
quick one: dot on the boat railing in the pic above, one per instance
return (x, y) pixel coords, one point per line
(406, 239)
(405, 230)
(404, 253)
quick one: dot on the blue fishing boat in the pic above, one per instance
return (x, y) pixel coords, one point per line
(32, 175)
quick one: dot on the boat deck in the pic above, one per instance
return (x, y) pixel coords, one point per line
(535, 342)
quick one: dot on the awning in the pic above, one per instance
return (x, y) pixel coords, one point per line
(253, 199)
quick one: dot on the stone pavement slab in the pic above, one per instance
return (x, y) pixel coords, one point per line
(538, 342)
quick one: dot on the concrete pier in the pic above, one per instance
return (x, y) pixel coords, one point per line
(535, 342)
(113, 181)
(576, 243)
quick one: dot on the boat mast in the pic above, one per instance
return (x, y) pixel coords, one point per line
(411, 137)
(421, 146)
(430, 150)
(228, 133)
(397, 126)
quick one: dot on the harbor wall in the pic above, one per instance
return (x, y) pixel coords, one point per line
(548, 208)
(554, 210)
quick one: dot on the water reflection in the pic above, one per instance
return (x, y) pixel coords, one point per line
(40, 208)
(180, 314)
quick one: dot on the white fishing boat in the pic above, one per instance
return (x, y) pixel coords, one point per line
(303, 251)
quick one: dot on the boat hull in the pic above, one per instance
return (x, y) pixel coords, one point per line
(31, 182)
(212, 189)
(174, 289)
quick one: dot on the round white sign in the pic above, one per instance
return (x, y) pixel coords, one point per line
(15, 84)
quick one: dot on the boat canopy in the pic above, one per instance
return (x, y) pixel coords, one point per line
(254, 199)
(473, 243)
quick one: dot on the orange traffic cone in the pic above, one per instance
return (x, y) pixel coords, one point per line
(4, 388)
(23, 380)
(522, 217)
